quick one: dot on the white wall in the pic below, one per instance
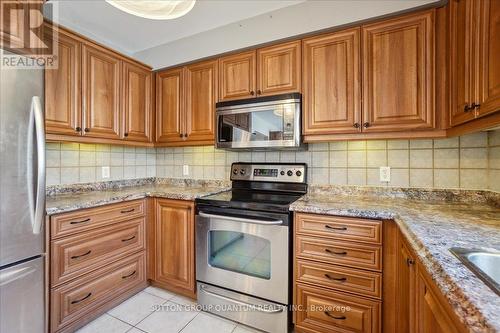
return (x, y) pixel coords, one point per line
(302, 18)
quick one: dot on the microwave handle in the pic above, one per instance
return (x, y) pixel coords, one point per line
(240, 219)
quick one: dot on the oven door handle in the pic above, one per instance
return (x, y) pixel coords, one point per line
(240, 219)
(234, 300)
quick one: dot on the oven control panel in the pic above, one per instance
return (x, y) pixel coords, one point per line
(284, 173)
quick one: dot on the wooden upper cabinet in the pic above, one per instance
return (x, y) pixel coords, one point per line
(170, 105)
(101, 92)
(331, 83)
(136, 98)
(237, 76)
(398, 73)
(174, 242)
(278, 69)
(63, 112)
(489, 54)
(462, 58)
(201, 96)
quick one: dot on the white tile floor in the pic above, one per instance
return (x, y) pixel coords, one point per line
(138, 315)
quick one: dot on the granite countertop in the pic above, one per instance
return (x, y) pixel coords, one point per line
(432, 227)
(70, 201)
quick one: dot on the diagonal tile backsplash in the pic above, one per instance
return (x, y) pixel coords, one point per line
(467, 162)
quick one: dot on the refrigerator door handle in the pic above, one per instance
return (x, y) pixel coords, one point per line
(37, 203)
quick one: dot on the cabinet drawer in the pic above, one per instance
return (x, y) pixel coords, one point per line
(76, 255)
(345, 228)
(86, 219)
(329, 311)
(79, 298)
(340, 253)
(351, 280)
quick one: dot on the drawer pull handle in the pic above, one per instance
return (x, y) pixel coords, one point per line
(81, 299)
(81, 255)
(335, 317)
(127, 211)
(343, 253)
(334, 278)
(335, 228)
(129, 275)
(127, 239)
(78, 222)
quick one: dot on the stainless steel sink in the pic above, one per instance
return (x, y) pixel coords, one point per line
(486, 265)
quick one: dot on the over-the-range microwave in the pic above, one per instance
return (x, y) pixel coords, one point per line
(261, 123)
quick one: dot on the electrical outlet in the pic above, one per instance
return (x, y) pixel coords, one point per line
(185, 170)
(105, 172)
(385, 174)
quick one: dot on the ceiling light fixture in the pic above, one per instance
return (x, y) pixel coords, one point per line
(154, 9)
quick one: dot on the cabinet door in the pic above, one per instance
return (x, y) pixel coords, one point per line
(101, 92)
(432, 315)
(201, 96)
(174, 239)
(406, 275)
(278, 69)
(136, 98)
(63, 108)
(462, 59)
(332, 88)
(237, 76)
(398, 73)
(489, 54)
(170, 105)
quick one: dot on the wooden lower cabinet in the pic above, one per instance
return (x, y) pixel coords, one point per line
(97, 260)
(174, 247)
(74, 303)
(330, 311)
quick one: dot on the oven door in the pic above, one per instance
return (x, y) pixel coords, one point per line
(259, 125)
(244, 252)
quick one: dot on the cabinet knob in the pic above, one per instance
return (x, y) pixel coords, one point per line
(259, 92)
(185, 135)
(475, 106)
(78, 129)
(410, 261)
(467, 108)
(181, 135)
(356, 125)
(87, 129)
(252, 92)
(125, 134)
(366, 125)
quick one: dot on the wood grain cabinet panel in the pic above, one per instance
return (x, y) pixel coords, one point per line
(170, 105)
(340, 278)
(343, 228)
(101, 92)
(331, 82)
(136, 99)
(87, 219)
(201, 96)
(174, 245)
(405, 285)
(325, 311)
(339, 252)
(489, 54)
(73, 256)
(398, 73)
(63, 108)
(74, 303)
(279, 69)
(462, 58)
(237, 76)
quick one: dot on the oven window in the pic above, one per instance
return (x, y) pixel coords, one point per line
(240, 252)
(268, 125)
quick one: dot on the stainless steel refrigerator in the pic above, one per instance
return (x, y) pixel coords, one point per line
(22, 201)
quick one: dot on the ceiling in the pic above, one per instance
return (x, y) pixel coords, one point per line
(127, 33)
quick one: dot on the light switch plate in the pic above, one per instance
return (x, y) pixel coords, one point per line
(105, 172)
(385, 174)
(185, 170)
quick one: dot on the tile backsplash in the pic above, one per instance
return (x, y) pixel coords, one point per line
(467, 162)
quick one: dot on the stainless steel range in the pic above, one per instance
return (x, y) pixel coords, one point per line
(244, 245)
